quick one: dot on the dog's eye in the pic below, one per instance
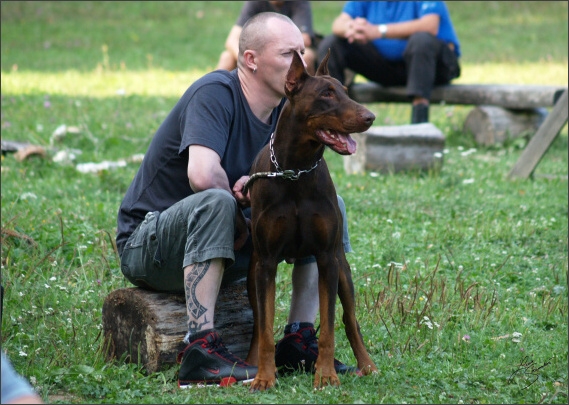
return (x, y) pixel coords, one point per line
(327, 94)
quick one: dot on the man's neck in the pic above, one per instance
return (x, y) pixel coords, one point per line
(261, 101)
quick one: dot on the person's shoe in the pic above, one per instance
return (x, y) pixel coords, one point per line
(419, 113)
(298, 351)
(206, 361)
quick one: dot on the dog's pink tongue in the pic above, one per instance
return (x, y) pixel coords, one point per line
(350, 145)
(343, 144)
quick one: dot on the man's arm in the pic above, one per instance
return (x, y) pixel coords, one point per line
(360, 30)
(205, 172)
(428, 23)
(204, 169)
(232, 41)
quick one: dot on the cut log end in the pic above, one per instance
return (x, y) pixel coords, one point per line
(149, 327)
(494, 125)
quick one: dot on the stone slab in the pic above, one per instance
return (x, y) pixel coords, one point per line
(392, 149)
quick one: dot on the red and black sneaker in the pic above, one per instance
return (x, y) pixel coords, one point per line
(207, 361)
(298, 351)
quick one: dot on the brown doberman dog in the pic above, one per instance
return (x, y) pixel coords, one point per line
(295, 214)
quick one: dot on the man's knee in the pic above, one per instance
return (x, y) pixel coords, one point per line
(216, 196)
(217, 203)
(421, 42)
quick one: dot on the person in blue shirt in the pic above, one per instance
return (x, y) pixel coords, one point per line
(395, 43)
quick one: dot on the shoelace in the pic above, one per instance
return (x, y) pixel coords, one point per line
(310, 339)
(216, 345)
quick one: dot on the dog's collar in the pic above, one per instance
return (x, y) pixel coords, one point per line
(285, 174)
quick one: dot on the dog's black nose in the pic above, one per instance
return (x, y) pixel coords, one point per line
(368, 117)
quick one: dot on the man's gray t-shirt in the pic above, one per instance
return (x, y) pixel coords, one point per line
(213, 112)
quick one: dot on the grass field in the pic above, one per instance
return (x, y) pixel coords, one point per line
(461, 275)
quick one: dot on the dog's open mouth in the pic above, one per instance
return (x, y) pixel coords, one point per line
(340, 143)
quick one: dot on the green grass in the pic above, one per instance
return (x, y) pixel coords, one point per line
(476, 254)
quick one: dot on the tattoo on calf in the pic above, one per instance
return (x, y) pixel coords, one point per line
(194, 307)
(194, 327)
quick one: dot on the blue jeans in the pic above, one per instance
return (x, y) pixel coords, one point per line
(198, 228)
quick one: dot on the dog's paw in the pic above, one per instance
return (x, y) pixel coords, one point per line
(322, 380)
(369, 369)
(262, 384)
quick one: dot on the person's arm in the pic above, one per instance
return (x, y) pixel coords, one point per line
(341, 24)
(360, 30)
(428, 23)
(204, 169)
(307, 40)
(205, 172)
(232, 41)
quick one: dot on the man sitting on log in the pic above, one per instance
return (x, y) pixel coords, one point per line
(395, 43)
(177, 225)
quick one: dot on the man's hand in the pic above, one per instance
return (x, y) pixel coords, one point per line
(360, 31)
(242, 199)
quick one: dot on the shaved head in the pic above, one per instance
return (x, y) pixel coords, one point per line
(258, 33)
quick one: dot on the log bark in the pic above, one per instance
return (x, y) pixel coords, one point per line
(491, 125)
(503, 95)
(149, 327)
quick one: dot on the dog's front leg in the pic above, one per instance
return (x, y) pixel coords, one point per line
(325, 374)
(253, 355)
(265, 273)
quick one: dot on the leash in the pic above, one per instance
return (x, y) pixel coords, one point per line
(285, 174)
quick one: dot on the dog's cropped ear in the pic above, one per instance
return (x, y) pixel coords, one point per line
(296, 75)
(323, 68)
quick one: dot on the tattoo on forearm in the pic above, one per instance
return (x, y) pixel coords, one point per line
(194, 307)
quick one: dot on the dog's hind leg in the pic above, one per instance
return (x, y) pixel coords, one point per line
(347, 298)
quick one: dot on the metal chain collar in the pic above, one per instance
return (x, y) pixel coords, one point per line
(285, 174)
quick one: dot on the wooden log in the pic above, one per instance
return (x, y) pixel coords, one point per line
(391, 149)
(150, 326)
(542, 140)
(503, 95)
(491, 125)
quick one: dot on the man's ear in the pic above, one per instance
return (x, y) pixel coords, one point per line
(296, 75)
(249, 60)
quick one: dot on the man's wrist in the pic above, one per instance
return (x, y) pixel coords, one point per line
(382, 28)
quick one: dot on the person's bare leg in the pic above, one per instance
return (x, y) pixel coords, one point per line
(304, 302)
(420, 100)
(201, 286)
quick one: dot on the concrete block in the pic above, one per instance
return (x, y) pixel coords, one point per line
(392, 149)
